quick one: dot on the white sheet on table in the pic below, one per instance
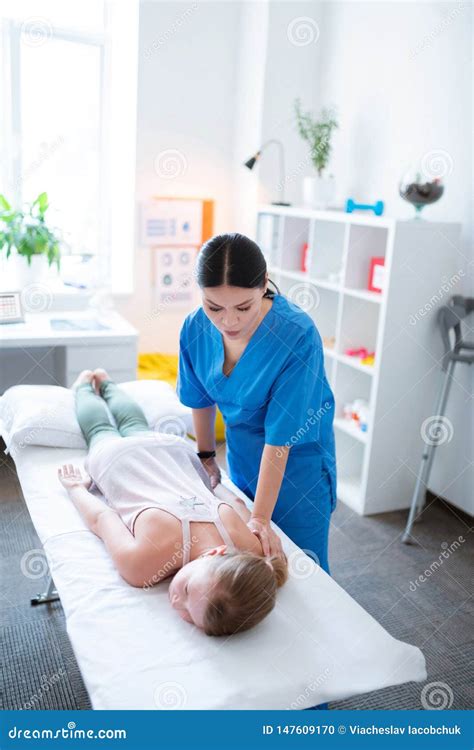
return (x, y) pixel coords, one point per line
(135, 652)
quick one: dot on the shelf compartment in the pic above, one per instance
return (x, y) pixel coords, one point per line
(350, 455)
(350, 384)
(268, 236)
(355, 363)
(365, 242)
(327, 251)
(359, 328)
(295, 235)
(364, 294)
(295, 275)
(322, 308)
(350, 429)
(349, 491)
(306, 277)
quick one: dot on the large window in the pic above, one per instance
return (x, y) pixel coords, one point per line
(68, 97)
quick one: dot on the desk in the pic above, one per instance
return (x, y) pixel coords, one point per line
(33, 352)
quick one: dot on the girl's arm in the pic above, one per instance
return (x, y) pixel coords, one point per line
(104, 522)
(88, 505)
(223, 493)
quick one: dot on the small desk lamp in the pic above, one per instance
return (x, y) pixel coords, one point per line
(250, 163)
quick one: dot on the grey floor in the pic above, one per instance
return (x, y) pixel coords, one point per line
(367, 559)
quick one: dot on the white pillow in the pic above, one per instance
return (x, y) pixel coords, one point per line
(45, 414)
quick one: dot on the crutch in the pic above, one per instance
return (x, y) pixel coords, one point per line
(449, 318)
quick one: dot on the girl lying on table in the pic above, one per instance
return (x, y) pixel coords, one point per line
(162, 518)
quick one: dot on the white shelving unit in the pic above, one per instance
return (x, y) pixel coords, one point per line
(376, 469)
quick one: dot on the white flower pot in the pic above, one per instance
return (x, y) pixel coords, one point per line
(26, 274)
(318, 192)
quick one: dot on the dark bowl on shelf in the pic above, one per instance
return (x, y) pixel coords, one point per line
(421, 192)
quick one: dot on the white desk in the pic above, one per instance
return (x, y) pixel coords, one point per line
(34, 352)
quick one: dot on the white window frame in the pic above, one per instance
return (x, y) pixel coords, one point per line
(118, 46)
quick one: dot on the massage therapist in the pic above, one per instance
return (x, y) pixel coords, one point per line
(259, 358)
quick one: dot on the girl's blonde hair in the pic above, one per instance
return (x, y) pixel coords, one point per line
(243, 591)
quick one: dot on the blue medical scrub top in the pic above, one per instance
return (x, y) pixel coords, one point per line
(277, 393)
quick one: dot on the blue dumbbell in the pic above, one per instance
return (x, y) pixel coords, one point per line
(377, 207)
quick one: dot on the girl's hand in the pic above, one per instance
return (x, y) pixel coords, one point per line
(70, 476)
(271, 542)
(212, 468)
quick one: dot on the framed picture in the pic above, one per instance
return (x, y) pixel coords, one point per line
(377, 275)
(173, 276)
(171, 222)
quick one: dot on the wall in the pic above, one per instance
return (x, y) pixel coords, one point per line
(186, 103)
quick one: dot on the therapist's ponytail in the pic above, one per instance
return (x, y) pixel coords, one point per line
(232, 260)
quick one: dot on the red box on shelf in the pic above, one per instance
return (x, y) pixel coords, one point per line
(305, 258)
(377, 275)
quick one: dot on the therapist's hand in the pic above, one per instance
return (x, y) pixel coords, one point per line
(212, 468)
(271, 542)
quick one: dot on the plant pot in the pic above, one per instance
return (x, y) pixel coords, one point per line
(318, 192)
(25, 273)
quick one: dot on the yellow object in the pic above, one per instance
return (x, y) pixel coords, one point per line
(165, 367)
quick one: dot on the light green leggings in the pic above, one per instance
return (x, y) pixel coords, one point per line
(94, 419)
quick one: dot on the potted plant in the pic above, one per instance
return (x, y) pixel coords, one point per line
(317, 191)
(25, 234)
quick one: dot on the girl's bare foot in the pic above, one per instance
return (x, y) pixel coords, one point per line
(85, 376)
(99, 376)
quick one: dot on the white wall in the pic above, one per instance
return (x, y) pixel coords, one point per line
(186, 102)
(249, 110)
(292, 70)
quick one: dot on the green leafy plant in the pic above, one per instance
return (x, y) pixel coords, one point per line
(317, 133)
(27, 232)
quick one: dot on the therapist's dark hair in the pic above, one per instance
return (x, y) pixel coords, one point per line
(233, 260)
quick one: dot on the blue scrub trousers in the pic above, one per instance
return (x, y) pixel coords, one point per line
(307, 521)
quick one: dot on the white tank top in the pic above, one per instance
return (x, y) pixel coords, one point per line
(155, 470)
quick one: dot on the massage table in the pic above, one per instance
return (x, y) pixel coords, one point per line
(135, 652)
